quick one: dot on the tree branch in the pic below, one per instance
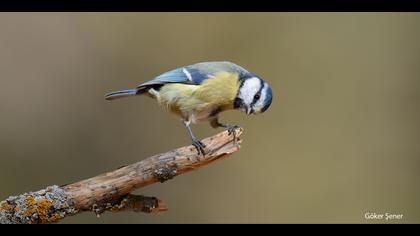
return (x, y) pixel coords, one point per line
(111, 191)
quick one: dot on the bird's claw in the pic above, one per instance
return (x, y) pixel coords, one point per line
(232, 129)
(199, 146)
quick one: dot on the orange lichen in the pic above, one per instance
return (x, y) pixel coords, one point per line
(6, 207)
(45, 206)
(41, 207)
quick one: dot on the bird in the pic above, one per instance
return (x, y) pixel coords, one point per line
(201, 91)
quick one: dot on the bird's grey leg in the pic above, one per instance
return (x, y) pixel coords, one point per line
(195, 142)
(230, 128)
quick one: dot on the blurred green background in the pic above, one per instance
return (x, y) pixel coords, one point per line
(341, 138)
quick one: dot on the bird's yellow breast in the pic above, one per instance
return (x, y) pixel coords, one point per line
(200, 100)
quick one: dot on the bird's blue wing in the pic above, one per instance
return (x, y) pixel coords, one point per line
(182, 75)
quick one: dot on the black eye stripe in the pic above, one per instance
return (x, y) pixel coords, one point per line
(255, 100)
(256, 97)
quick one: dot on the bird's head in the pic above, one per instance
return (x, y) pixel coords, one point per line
(254, 95)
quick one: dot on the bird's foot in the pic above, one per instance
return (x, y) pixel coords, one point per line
(199, 146)
(232, 130)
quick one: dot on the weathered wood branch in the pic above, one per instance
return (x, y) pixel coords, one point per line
(111, 191)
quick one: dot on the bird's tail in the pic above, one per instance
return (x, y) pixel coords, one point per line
(121, 94)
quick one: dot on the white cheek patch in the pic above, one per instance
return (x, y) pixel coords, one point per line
(249, 89)
(258, 106)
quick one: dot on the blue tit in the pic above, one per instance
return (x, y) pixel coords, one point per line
(201, 91)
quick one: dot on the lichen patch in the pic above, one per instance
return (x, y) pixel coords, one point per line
(45, 206)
